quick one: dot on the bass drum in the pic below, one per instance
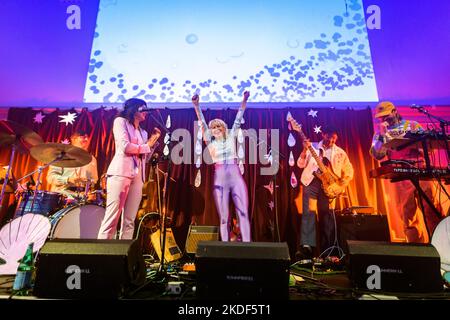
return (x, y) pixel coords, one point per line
(77, 222)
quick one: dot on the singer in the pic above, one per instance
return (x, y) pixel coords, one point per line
(227, 177)
(126, 172)
(391, 126)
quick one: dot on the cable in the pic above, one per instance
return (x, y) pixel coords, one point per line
(336, 242)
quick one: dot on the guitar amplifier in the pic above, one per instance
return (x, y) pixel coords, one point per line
(363, 227)
(200, 233)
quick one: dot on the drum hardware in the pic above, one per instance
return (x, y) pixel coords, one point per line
(56, 154)
(20, 139)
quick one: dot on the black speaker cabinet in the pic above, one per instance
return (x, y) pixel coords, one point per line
(362, 227)
(82, 268)
(394, 267)
(242, 270)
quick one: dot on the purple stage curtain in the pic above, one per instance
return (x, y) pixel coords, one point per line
(188, 204)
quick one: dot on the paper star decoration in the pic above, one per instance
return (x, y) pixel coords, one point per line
(68, 118)
(38, 117)
(271, 205)
(318, 129)
(270, 187)
(312, 113)
(65, 141)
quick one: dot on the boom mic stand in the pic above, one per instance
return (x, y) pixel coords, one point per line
(163, 203)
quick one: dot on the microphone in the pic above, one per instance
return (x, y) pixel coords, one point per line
(417, 107)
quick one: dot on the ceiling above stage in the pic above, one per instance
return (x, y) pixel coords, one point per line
(352, 52)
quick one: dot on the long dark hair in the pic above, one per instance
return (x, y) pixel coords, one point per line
(130, 107)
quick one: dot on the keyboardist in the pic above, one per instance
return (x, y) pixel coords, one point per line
(391, 126)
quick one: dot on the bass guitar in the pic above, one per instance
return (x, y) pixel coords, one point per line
(332, 184)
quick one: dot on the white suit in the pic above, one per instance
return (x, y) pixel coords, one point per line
(125, 178)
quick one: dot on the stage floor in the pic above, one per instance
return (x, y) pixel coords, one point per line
(304, 285)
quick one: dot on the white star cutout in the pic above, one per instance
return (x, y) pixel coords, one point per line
(312, 113)
(38, 117)
(318, 129)
(65, 141)
(68, 118)
(271, 205)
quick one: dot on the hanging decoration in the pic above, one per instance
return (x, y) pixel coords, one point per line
(38, 117)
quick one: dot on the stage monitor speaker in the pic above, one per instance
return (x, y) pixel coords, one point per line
(86, 268)
(394, 267)
(171, 250)
(200, 233)
(242, 270)
(362, 227)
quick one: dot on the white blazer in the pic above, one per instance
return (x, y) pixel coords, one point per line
(132, 150)
(339, 162)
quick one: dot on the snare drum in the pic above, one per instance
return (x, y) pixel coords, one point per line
(46, 203)
(96, 197)
(77, 222)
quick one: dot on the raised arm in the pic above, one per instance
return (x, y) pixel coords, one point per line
(122, 137)
(240, 114)
(201, 118)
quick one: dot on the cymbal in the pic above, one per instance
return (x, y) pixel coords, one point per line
(71, 156)
(13, 133)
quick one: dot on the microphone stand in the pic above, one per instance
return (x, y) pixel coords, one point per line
(164, 203)
(443, 125)
(40, 169)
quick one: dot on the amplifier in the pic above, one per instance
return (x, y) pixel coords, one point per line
(200, 233)
(394, 267)
(242, 270)
(362, 227)
(85, 268)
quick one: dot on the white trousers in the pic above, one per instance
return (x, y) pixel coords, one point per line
(123, 197)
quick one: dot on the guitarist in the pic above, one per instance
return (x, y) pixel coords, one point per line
(315, 202)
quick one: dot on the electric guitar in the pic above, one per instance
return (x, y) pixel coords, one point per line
(332, 184)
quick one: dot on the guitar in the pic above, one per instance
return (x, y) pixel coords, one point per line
(332, 184)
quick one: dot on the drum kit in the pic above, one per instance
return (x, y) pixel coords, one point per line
(79, 218)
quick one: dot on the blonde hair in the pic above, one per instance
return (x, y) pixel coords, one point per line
(220, 123)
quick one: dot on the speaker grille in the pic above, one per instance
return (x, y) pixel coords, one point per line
(200, 233)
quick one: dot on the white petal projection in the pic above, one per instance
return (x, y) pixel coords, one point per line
(241, 153)
(198, 162)
(166, 150)
(199, 134)
(198, 147)
(166, 138)
(16, 235)
(241, 167)
(198, 179)
(291, 159)
(289, 126)
(291, 140)
(68, 118)
(294, 182)
(168, 122)
(288, 116)
(240, 136)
